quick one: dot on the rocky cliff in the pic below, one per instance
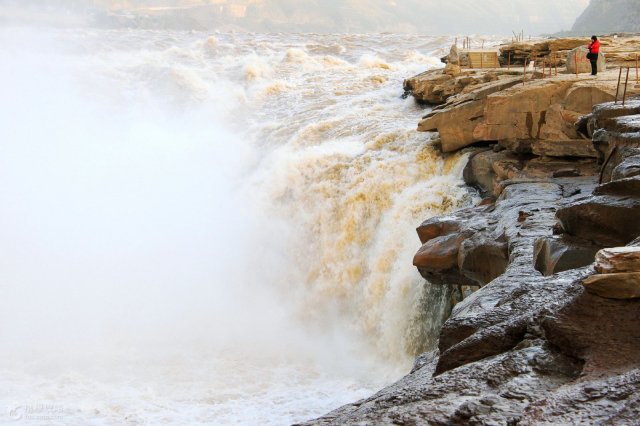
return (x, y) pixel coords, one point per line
(548, 264)
(609, 16)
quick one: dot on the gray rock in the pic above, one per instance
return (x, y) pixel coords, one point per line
(559, 253)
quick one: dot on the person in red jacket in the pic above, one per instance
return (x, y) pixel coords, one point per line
(594, 51)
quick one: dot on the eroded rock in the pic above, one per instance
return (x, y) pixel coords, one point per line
(618, 259)
(604, 219)
(508, 112)
(556, 253)
(624, 285)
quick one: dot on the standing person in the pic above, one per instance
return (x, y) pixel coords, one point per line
(594, 51)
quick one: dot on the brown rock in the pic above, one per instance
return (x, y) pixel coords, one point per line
(455, 126)
(520, 112)
(546, 167)
(564, 148)
(618, 259)
(454, 55)
(479, 170)
(624, 285)
(422, 86)
(582, 98)
(440, 253)
(436, 228)
(452, 70)
(517, 146)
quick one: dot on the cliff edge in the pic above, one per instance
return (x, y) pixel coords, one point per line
(548, 264)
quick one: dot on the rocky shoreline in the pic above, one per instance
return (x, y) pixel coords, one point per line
(541, 335)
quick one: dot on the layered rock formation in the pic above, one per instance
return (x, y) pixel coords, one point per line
(545, 338)
(515, 113)
(555, 51)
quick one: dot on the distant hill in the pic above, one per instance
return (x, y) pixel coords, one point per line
(331, 16)
(608, 16)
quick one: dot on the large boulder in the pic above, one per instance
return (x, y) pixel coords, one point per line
(509, 112)
(578, 57)
(428, 86)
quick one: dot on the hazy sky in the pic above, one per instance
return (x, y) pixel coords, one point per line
(412, 16)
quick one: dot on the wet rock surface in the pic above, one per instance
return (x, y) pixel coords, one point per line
(533, 344)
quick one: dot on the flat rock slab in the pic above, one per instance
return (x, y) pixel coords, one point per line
(564, 148)
(624, 285)
(618, 260)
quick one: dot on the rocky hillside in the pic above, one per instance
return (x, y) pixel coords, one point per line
(609, 16)
(547, 264)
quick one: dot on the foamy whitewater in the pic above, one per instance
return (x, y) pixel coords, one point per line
(208, 228)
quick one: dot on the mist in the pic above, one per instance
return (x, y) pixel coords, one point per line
(432, 17)
(131, 232)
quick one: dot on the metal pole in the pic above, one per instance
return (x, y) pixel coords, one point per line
(618, 85)
(481, 58)
(509, 62)
(544, 63)
(524, 74)
(624, 95)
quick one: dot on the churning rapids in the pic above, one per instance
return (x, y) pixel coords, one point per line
(210, 229)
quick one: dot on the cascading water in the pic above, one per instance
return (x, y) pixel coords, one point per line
(201, 229)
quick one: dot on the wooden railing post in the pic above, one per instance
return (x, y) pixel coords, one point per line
(626, 81)
(618, 85)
